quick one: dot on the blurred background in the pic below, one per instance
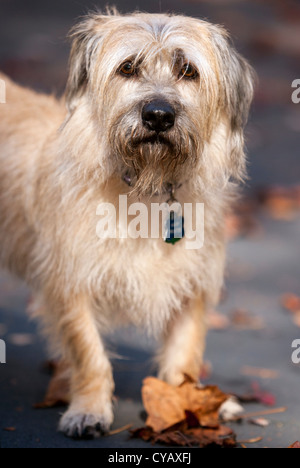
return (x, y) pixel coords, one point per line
(34, 51)
(260, 313)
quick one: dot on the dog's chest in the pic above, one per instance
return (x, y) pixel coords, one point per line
(143, 282)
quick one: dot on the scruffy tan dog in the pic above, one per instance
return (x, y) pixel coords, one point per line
(152, 101)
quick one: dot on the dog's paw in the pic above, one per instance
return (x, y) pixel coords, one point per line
(79, 425)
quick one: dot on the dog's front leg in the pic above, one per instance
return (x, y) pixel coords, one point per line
(184, 344)
(90, 413)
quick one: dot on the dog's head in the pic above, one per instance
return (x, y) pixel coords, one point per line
(167, 96)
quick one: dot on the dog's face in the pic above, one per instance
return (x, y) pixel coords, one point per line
(158, 87)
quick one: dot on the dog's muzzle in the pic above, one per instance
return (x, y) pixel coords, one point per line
(158, 116)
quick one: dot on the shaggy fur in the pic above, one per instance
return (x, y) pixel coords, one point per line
(60, 159)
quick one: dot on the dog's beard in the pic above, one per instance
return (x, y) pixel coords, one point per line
(155, 160)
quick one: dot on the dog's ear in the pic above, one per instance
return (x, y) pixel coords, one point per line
(86, 38)
(237, 85)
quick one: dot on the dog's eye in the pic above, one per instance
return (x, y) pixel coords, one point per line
(127, 69)
(188, 71)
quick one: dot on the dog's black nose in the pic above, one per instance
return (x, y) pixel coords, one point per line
(158, 116)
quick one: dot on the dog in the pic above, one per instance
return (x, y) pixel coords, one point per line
(152, 101)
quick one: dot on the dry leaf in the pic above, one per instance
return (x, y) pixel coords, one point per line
(175, 438)
(222, 436)
(243, 320)
(204, 403)
(164, 405)
(201, 437)
(291, 302)
(183, 416)
(59, 387)
(167, 405)
(295, 445)
(144, 433)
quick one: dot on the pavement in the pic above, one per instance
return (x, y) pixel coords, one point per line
(261, 267)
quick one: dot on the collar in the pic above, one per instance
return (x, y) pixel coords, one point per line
(169, 188)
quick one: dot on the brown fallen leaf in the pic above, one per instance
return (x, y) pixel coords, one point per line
(9, 429)
(291, 302)
(175, 438)
(183, 416)
(59, 387)
(295, 445)
(222, 436)
(243, 320)
(166, 405)
(201, 437)
(204, 403)
(144, 433)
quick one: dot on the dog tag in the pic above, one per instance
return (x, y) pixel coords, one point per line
(174, 229)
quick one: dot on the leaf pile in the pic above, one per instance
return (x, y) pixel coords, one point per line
(183, 416)
(295, 445)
